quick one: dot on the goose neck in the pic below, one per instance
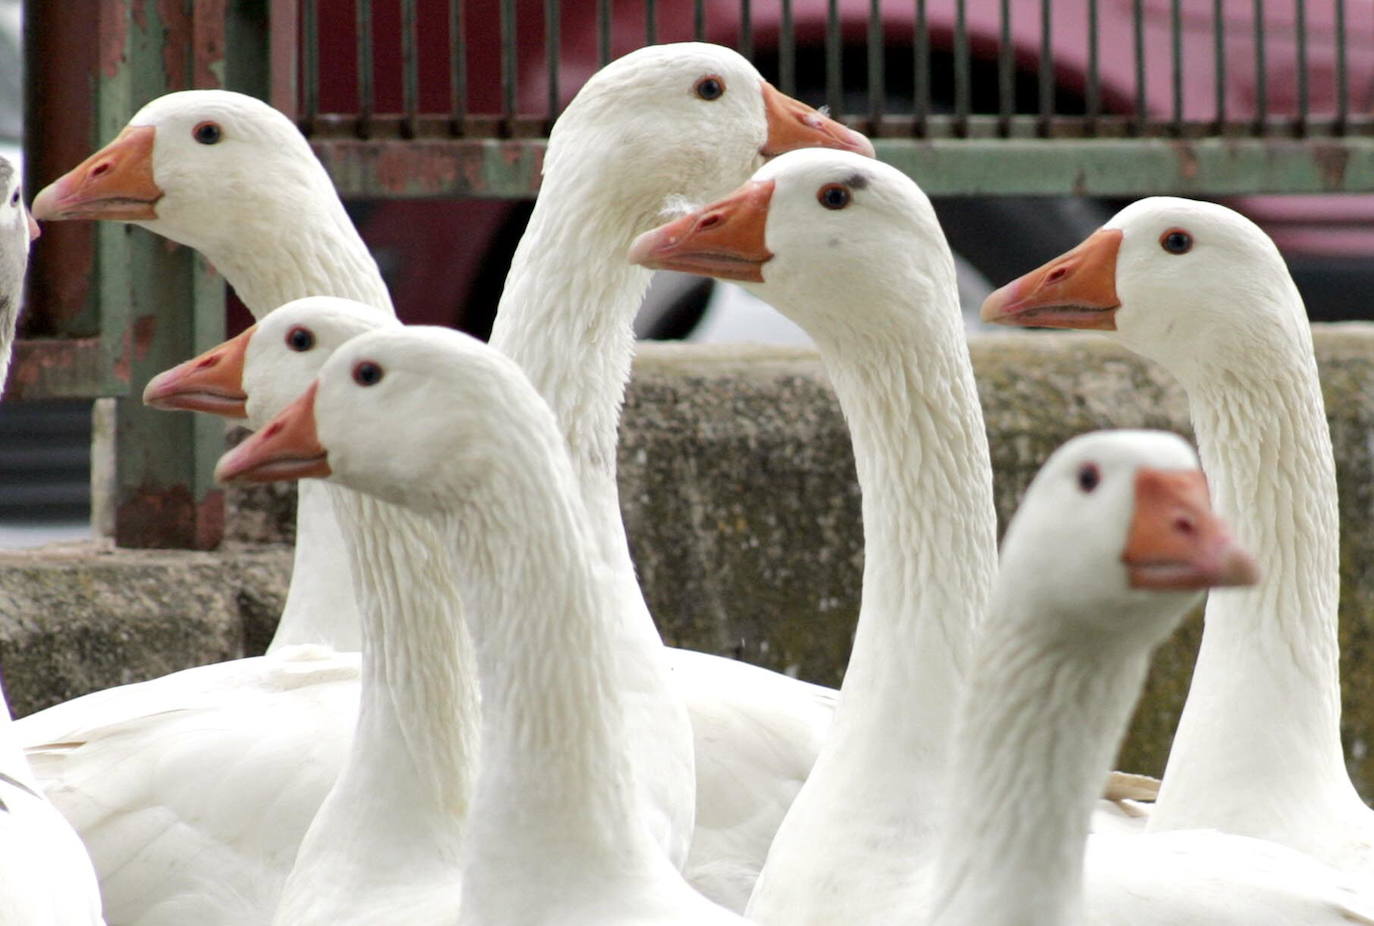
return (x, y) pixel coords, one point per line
(320, 605)
(556, 773)
(1037, 729)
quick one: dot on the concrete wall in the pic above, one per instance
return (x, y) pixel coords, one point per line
(738, 487)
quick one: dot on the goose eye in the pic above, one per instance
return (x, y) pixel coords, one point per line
(710, 87)
(833, 196)
(367, 373)
(1176, 241)
(207, 133)
(300, 339)
(14, 198)
(1089, 476)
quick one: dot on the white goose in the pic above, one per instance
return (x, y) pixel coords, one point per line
(696, 113)
(1204, 292)
(433, 421)
(1105, 555)
(45, 873)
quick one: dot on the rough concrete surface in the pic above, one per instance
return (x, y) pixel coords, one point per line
(739, 495)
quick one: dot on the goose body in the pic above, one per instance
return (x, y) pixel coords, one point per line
(1108, 550)
(576, 348)
(45, 873)
(1204, 292)
(555, 833)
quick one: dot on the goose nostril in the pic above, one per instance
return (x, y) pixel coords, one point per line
(102, 168)
(207, 363)
(273, 429)
(1184, 525)
(1057, 274)
(710, 221)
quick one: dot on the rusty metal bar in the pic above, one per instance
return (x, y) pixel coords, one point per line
(1006, 75)
(961, 68)
(603, 32)
(1093, 97)
(1138, 25)
(699, 20)
(1304, 97)
(410, 67)
(787, 51)
(834, 72)
(554, 54)
(311, 65)
(1176, 63)
(746, 29)
(284, 65)
(509, 63)
(366, 91)
(458, 68)
(876, 86)
(650, 22)
(1261, 72)
(1219, 61)
(1342, 76)
(921, 59)
(1045, 71)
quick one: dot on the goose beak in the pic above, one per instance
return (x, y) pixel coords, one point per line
(34, 230)
(212, 382)
(792, 124)
(114, 183)
(1175, 542)
(286, 449)
(724, 239)
(1075, 290)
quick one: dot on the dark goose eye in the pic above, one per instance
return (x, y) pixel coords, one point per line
(207, 133)
(1176, 241)
(833, 196)
(710, 87)
(300, 339)
(1088, 477)
(14, 198)
(367, 373)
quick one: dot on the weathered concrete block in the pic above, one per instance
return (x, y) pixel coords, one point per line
(738, 487)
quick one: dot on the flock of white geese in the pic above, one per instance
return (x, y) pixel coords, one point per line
(467, 715)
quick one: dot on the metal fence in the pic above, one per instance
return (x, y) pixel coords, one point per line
(453, 98)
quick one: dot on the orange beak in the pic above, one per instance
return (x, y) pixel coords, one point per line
(114, 183)
(724, 239)
(1175, 542)
(792, 125)
(34, 230)
(212, 382)
(284, 450)
(1075, 290)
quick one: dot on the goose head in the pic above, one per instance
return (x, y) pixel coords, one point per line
(411, 415)
(1186, 283)
(700, 115)
(194, 166)
(816, 233)
(1116, 524)
(257, 373)
(17, 229)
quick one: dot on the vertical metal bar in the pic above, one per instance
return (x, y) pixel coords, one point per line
(961, 68)
(876, 88)
(603, 32)
(1304, 101)
(699, 20)
(650, 22)
(746, 29)
(458, 68)
(1342, 78)
(509, 63)
(1261, 72)
(1006, 75)
(833, 62)
(1046, 70)
(284, 57)
(1138, 24)
(554, 54)
(310, 21)
(787, 51)
(1219, 62)
(366, 100)
(921, 59)
(410, 68)
(1176, 52)
(1093, 100)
